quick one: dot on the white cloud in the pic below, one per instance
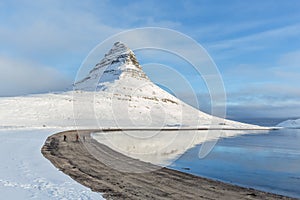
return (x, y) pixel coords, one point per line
(19, 77)
(253, 41)
(282, 72)
(55, 32)
(265, 90)
(290, 59)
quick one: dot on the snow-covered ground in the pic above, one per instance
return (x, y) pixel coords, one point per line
(290, 123)
(26, 174)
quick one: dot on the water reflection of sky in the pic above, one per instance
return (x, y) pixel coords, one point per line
(267, 161)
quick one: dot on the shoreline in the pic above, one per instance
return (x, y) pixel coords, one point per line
(74, 159)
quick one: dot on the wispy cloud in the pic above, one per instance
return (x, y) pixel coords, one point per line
(290, 60)
(53, 30)
(264, 91)
(252, 41)
(26, 77)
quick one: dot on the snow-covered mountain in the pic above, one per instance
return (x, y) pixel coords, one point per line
(290, 123)
(134, 100)
(115, 93)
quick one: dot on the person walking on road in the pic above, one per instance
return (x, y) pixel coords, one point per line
(65, 138)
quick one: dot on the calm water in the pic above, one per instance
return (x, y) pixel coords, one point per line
(269, 162)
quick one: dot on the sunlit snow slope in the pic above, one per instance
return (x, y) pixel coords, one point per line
(290, 123)
(116, 93)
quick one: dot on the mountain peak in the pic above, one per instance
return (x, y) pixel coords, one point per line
(120, 52)
(118, 46)
(119, 63)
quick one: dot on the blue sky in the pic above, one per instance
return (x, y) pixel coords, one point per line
(256, 45)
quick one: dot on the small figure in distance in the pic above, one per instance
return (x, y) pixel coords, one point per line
(65, 138)
(77, 138)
